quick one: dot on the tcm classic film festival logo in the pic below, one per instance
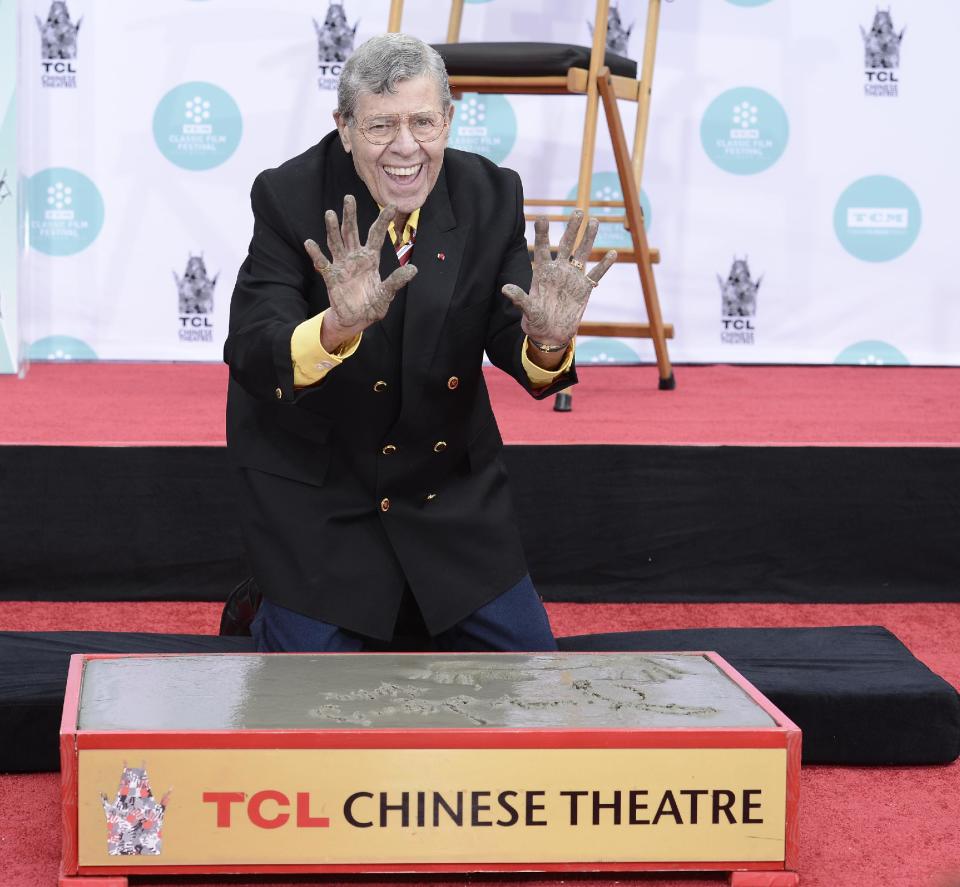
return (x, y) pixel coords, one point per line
(58, 48)
(485, 125)
(65, 211)
(335, 41)
(197, 126)
(881, 50)
(738, 294)
(877, 218)
(744, 130)
(605, 187)
(872, 352)
(195, 301)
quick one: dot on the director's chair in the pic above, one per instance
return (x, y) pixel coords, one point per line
(603, 77)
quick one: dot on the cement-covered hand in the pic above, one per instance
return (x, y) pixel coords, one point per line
(358, 297)
(560, 289)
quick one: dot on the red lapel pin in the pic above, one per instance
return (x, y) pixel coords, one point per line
(441, 256)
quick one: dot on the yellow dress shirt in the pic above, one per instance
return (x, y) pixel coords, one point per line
(311, 361)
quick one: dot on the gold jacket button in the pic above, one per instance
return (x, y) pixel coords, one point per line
(379, 386)
(452, 382)
(439, 446)
(430, 497)
(384, 504)
(279, 393)
(389, 450)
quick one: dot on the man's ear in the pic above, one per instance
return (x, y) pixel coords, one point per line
(344, 131)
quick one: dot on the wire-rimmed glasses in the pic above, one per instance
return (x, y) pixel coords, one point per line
(382, 129)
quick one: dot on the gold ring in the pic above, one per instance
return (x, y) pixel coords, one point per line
(576, 263)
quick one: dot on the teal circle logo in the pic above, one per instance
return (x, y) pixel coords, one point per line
(6, 361)
(877, 218)
(197, 126)
(484, 124)
(744, 130)
(604, 350)
(872, 353)
(606, 186)
(65, 211)
(60, 348)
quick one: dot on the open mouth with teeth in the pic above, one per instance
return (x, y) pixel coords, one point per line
(404, 175)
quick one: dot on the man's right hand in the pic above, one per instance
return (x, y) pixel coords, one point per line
(358, 297)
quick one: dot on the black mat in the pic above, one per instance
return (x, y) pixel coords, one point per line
(33, 676)
(857, 693)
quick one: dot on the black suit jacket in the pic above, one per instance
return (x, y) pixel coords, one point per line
(335, 527)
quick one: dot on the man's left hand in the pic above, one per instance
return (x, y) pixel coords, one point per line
(560, 287)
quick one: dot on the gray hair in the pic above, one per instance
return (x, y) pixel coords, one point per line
(382, 62)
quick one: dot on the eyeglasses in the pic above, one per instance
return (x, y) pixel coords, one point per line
(424, 126)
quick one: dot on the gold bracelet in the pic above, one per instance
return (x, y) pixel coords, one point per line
(548, 349)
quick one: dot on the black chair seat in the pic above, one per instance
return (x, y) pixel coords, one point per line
(525, 59)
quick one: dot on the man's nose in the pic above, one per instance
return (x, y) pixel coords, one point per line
(404, 142)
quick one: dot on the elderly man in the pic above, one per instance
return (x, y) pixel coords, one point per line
(357, 413)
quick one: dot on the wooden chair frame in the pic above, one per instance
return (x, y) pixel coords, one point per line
(600, 87)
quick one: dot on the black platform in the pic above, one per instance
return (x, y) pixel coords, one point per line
(857, 693)
(625, 523)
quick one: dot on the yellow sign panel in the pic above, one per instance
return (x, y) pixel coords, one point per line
(284, 806)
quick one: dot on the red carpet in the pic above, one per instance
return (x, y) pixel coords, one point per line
(161, 403)
(859, 827)
(895, 827)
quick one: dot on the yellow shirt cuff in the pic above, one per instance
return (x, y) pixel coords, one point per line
(540, 377)
(311, 361)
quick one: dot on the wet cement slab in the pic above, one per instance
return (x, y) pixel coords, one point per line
(413, 691)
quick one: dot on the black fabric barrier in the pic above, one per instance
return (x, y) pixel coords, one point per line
(599, 523)
(118, 523)
(800, 524)
(857, 693)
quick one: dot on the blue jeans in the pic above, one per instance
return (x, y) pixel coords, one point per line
(514, 621)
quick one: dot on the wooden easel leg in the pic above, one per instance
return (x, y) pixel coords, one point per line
(563, 402)
(641, 248)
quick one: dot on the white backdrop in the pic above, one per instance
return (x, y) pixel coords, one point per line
(9, 187)
(800, 192)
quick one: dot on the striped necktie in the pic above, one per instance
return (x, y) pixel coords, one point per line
(404, 249)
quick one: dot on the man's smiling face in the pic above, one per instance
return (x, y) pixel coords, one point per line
(405, 171)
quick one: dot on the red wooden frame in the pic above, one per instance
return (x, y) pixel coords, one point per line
(785, 735)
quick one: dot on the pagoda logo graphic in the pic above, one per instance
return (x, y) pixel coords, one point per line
(738, 304)
(618, 37)
(335, 39)
(195, 301)
(135, 817)
(58, 47)
(881, 56)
